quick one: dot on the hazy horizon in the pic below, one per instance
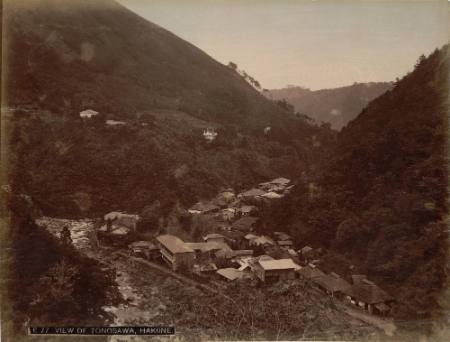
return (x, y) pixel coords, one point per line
(314, 44)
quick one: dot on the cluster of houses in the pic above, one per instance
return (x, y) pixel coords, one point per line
(233, 250)
(242, 265)
(246, 203)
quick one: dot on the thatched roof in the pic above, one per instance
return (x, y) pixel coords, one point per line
(332, 282)
(368, 292)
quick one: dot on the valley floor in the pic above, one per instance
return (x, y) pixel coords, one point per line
(153, 295)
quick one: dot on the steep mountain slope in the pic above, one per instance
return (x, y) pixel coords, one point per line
(99, 54)
(382, 199)
(391, 171)
(337, 106)
(67, 56)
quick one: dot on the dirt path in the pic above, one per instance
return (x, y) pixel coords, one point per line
(149, 290)
(170, 273)
(386, 325)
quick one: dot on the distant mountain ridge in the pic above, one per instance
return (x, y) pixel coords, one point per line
(337, 106)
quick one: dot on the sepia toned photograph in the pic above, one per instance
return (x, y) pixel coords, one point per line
(225, 170)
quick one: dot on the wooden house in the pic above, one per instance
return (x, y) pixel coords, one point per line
(175, 252)
(88, 114)
(263, 241)
(203, 208)
(144, 249)
(310, 272)
(275, 270)
(332, 284)
(230, 274)
(116, 219)
(252, 196)
(214, 237)
(368, 296)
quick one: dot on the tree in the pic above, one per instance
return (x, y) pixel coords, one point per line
(232, 66)
(420, 60)
(54, 290)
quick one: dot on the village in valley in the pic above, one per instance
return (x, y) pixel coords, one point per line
(241, 171)
(230, 249)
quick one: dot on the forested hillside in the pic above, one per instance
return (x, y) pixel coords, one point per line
(336, 106)
(66, 58)
(380, 201)
(43, 281)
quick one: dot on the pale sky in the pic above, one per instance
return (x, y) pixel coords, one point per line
(315, 44)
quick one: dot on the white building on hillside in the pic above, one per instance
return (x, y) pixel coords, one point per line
(88, 113)
(210, 134)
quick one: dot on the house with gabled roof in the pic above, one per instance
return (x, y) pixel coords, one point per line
(214, 237)
(332, 284)
(203, 208)
(262, 240)
(281, 181)
(275, 270)
(277, 185)
(117, 219)
(252, 196)
(88, 113)
(310, 272)
(271, 195)
(369, 296)
(230, 274)
(175, 252)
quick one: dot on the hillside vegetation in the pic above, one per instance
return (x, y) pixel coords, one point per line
(336, 106)
(45, 282)
(381, 198)
(78, 54)
(65, 58)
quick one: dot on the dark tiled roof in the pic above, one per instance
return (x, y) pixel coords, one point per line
(245, 223)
